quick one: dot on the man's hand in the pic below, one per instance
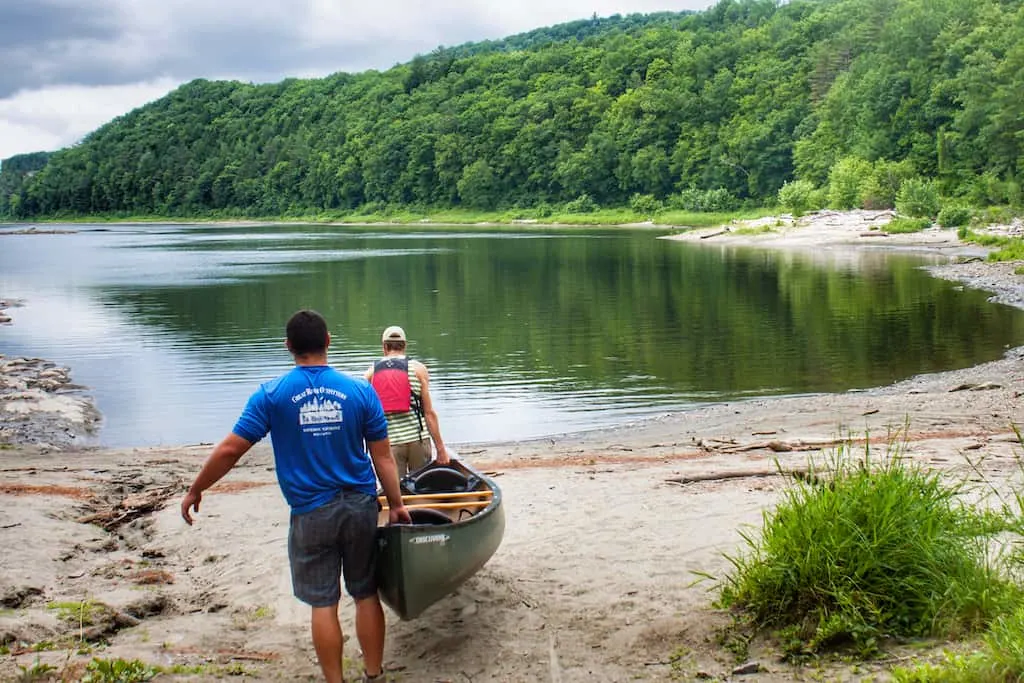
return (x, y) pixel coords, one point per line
(399, 515)
(442, 456)
(192, 500)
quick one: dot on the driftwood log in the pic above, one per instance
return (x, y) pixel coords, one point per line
(740, 474)
(714, 234)
(774, 445)
(130, 508)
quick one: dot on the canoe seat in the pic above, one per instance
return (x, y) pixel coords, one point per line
(427, 517)
(440, 480)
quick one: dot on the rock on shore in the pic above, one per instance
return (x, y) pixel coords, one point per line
(39, 405)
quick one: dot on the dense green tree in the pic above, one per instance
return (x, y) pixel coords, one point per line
(739, 99)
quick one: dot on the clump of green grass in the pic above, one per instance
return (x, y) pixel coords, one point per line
(1011, 250)
(82, 613)
(905, 225)
(1007, 248)
(758, 230)
(869, 551)
(118, 671)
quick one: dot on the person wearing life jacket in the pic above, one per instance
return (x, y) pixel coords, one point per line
(403, 386)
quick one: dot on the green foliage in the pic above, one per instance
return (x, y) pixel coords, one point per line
(582, 204)
(993, 215)
(882, 187)
(988, 189)
(14, 173)
(902, 224)
(645, 204)
(118, 671)
(740, 98)
(79, 614)
(704, 201)
(865, 551)
(918, 198)
(797, 196)
(1007, 248)
(1001, 655)
(955, 215)
(846, 181)
(478, 187)
(1011, 250)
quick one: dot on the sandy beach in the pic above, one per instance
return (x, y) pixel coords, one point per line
(608, 532)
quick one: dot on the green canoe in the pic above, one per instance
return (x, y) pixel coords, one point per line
(457, 525)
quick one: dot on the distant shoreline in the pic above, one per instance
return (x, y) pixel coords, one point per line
(602, 218)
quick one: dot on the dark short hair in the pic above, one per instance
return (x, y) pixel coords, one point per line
(394, 345)
(307, 333)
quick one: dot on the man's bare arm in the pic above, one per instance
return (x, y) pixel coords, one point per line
(430, 415)
(220, 462)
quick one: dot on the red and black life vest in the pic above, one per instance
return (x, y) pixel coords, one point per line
(391, 382)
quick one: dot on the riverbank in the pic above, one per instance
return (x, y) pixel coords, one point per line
(524, 218)
(595, 578)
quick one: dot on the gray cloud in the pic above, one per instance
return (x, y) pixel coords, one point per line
(37, 23)
(67, 66)
(112, 42)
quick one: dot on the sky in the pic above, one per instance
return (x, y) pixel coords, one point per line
(69, 66)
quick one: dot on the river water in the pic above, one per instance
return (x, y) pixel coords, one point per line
(526, 332)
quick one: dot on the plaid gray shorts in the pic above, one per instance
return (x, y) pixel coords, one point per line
(337, 538)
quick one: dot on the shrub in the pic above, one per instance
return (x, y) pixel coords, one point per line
(873, 550)
(904, 225)
(994, 215)
(881, 188)
(845, 182)
(645, 204)
(987, 189)
(796, 196)
(818, 199)
(582, 204)
(955, 215)
(705, 201)
(918, 198)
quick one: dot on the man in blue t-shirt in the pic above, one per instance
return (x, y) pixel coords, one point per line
(319, 421)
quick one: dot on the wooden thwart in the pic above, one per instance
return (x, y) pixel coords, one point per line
(447, 506)
(486, 493)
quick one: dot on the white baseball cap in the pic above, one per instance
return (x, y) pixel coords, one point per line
(393, 333)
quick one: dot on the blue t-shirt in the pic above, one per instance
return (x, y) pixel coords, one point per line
(319, 422)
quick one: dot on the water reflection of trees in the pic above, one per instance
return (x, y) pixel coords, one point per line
(598, 310)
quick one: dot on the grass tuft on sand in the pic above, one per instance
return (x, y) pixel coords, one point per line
(867, 550)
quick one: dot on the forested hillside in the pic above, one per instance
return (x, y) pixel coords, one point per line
(695, 109)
